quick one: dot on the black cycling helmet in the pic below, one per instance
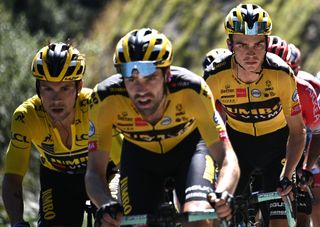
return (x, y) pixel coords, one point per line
(145, 44)
(214, 55)
(248, 19)
(58, 62)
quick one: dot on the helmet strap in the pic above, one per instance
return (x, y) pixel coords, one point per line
(38, 88)
(230, 43)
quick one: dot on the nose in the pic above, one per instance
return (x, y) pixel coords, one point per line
(140, 85)
(251, 51)
(56, 96)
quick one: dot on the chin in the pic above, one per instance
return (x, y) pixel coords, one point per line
(58, 117)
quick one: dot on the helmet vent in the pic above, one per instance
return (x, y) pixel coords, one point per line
(70, 71)
(40, 70)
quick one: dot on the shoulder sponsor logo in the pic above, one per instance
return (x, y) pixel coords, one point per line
(256, 93)
(241, 92)
(166, 120)
(20, 117)
(92, 129)
(82, 137)
(93, 99)
(19, 137)
(295, 96)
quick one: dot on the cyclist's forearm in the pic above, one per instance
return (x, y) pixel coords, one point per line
(13, 199)
(313, 152)
(229, 172)
(97, 189)
(295, 148)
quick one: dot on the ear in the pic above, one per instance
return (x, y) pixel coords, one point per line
(230, 45)
(79, 86)
(167, 74)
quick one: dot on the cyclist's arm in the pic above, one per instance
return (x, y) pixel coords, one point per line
(295, 145)
(292, 111)
(95, 177)
(99, 146)
(97, 189)
(222, 152)
(16, 165)
(313, 152)
(309, 104)
(12, 197)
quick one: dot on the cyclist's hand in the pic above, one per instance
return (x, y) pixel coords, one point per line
(305, 179)
(285, 187)
(109, 215)
(222, 203)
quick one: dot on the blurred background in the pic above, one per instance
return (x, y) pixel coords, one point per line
(95, 26)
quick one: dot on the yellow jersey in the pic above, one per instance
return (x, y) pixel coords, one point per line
(32, 125)
(259, 107)
(189, 106)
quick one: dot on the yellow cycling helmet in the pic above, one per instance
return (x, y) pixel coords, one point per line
(248, 19)
(58, 62)
(144, 45)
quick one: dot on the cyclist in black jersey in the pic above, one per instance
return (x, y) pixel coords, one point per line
(170, 128)
(257, 91)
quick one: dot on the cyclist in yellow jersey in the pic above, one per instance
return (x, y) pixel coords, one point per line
(56, 122)
(170, 129)
(258, 93)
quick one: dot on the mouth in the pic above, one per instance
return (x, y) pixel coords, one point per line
(251, 62)
(143, 101)
(57, 110)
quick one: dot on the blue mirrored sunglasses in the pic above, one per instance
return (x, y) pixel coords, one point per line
(144, 68)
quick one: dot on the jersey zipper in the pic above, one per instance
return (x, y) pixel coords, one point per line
(250, 106)
(160, 144)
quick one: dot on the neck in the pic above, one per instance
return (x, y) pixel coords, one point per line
(245, 75)
(64, 128)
